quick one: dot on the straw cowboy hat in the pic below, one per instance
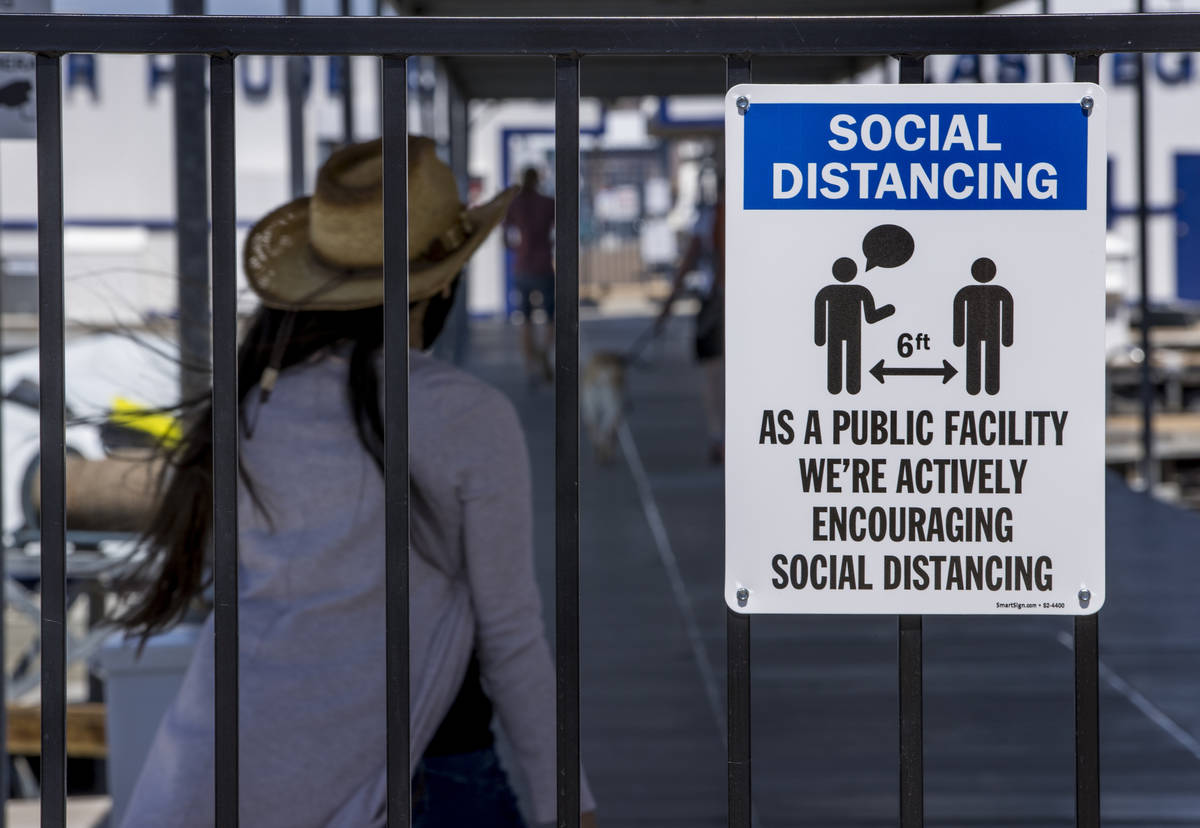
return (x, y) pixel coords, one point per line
(325, 252)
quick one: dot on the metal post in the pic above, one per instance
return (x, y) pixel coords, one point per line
(379, 6)
(460, 325)
(738, 69)
(912, 69)
(912, 757)
(1046, 57)
(1087, 721)
(191, 216)
(224, 439)
(295, 111)
(912, 733)
(347, 88)
(737, 679)
(394, 81)
(566, 432)
(53, 437)
(4, 786)
(95, 594)
(1149, 469)
(1087, 646)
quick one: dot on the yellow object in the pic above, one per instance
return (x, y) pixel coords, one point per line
(163, 427)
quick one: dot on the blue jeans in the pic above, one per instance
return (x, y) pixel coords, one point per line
(467, 789)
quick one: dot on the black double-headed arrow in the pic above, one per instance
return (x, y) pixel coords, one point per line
(945, 372)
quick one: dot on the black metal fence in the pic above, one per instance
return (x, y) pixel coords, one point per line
(568, 41)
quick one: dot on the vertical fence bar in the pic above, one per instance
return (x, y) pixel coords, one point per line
(347, 87)
(53, 437)
(225, 438)
(3, 572)
(737, 679)
(912, 733)
(295, 112)
(459, 323)
(912, 69)
(912, 748)
(1087, 645)
(1149, 469)
(1045, 11)
(394, 80)
(566, 432)
(1087, 721)
(737, 629)
(191, 216)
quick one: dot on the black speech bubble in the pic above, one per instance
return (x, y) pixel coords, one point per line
(888, 245)
(16, 93)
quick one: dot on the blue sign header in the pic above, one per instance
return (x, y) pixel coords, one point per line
(910, 156)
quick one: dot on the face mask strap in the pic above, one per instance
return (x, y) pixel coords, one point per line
(270, 374)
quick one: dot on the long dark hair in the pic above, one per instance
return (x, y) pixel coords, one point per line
(175, 543)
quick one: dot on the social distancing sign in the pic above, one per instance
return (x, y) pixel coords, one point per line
(915, 349)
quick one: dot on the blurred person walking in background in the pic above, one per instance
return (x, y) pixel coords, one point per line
(529, 231)
(311, 539)
(705, 253)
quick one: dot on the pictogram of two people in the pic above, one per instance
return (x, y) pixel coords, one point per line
(983, 323)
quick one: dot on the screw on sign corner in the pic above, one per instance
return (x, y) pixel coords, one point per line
(1085, 597)
(743, 596)
(743, 103)
(1086, 104)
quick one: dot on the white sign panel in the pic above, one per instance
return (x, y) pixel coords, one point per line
(18, 109)
(915, 349)
(17, 105)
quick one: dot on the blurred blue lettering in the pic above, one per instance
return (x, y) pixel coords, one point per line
(967, 67)
(335, 77)
(260, 89)
(1180, 72)
(81, 71)
(1012, 69)
(1125, 68)
(159, 72)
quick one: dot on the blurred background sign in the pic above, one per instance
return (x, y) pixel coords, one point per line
(17, 109)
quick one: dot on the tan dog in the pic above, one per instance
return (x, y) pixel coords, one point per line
(602, 401)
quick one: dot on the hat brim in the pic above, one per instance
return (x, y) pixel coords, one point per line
(284, 271)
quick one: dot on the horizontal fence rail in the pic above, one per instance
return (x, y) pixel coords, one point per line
(662, 36)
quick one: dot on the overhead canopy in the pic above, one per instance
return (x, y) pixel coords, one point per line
(485, 77)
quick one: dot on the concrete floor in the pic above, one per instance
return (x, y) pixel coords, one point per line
(998, 691)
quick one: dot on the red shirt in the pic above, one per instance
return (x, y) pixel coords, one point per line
(531, 215)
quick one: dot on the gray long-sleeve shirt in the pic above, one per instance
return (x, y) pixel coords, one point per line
(311, 607)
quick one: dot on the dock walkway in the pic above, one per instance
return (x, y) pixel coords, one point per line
(999, 715)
